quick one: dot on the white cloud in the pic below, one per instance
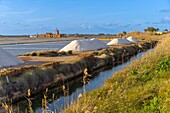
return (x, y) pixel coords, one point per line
(8, 11)
(41, 19)
(165, 10)
(87, 26)
(110, 24)
(116, 25)
(165, 20)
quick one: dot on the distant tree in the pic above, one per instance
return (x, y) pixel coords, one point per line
(101, 34)
(166, 30)
(145, 30)
(151, 29)
(124, 32)
(156, 30)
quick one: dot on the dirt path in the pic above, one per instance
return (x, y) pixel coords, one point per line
(46, 59)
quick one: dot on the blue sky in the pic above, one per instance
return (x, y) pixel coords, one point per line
(82, 16)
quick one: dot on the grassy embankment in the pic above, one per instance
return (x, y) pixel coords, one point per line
(142, 87)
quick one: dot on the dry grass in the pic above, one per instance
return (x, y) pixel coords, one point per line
(146, 36)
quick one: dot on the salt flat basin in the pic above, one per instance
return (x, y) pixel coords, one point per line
(18, 49)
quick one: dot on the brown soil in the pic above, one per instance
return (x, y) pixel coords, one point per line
(34, 59)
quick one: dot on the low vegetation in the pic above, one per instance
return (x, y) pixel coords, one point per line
(143, 87)
(49, 53)
(148, 36)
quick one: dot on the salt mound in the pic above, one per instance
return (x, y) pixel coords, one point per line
(84, 45)
(119, 41)
(7, 59)
(99, 43)
(132, 39)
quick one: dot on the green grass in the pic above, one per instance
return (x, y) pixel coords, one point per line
(143, 87)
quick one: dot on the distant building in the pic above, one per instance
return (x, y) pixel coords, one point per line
(159, 33)
(33, 36)
(50, 35)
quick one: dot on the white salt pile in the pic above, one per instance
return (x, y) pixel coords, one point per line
(132, 39)
(119, 41)
(99, 43)
(84, 45)
(7, 59)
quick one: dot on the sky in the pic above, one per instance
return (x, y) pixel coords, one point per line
(22, 17)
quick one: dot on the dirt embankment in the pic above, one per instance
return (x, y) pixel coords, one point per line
(37, 78)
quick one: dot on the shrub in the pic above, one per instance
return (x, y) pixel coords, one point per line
(33, 54)
(96, 53)
(70, 52)
(42, 54)
(53, 53)
(63, 53)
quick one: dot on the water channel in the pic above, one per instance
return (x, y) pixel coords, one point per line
(56, 99)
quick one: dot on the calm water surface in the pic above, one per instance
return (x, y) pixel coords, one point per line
(18, 49)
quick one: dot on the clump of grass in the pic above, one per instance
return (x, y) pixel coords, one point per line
(42, 54)
(70, 52)
(44, 102)
(134, 72)
(96, 53)
(152, 105)
(63, 53)
(85, 80)
(30, 110)
(8, 107)
(33, 54)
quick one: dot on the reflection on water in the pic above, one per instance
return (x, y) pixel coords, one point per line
(58, 101)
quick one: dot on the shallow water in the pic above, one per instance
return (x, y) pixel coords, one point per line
(18, 49)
